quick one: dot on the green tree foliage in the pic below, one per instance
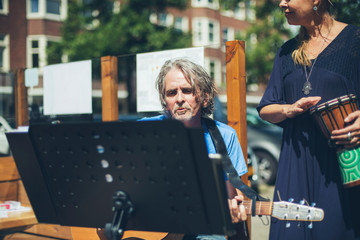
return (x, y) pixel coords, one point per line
(271, 30)
(92, 29)
(230, 4)
(262, 40)
(347, 11)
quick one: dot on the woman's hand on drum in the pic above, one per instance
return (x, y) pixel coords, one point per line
(301, 106)
(348, 136)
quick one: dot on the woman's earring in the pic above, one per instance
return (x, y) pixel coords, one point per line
(315, 8)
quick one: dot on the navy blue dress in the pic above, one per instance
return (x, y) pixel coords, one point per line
(308, 168)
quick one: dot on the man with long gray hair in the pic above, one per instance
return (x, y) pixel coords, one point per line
(187, 93)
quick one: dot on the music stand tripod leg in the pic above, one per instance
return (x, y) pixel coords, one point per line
(123, 209)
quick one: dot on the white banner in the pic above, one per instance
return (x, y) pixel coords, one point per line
(67, 88)
(148, 66)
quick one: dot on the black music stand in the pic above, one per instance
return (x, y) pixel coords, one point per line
(76, 173)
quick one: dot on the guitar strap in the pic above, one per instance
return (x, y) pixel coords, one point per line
(228, 167)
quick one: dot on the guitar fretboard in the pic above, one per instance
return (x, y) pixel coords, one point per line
(262, 207)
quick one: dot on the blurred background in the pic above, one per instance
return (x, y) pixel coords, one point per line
(38, 33)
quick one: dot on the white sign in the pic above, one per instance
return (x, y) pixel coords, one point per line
(148, 66)
(31, 77)
(67, 88)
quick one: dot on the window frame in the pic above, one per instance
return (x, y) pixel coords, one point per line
(5, 8)
(5, 54)
(206, 4)
(40, 50)
(214, 67)
(42, 11)
(205, 33)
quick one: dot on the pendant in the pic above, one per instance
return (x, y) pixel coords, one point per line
(307, 88)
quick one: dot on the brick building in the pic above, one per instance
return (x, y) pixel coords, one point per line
(27, 27)
(211, 27)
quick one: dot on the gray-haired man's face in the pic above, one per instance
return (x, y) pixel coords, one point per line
(181, 103)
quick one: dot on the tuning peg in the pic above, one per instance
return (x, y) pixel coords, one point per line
(290, 200)
(310, 226)
(313, 204)
(299, 225)
(302, 202)
(288, 224)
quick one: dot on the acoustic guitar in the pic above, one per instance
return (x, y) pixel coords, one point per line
(281, 210)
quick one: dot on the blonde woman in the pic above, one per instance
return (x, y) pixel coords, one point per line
(320, 64)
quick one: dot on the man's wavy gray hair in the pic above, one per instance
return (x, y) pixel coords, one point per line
(198, 78)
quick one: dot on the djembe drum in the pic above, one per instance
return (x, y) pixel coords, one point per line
(330, 116)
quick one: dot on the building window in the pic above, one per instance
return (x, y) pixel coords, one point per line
(212, 4)
(211, 32)
(246, 10)
(206, 32)
(35, 60)
(225, 35)
(4, 53)
(53, 6)
(199, 35)
(48, 9)
(181, 23)
(213, 66)
(162, 19)
(1, 56)
(178, 23)
(35, 53)
(212, 69)
(37, 50)
(2, 49)
(228, 34)
(34, 6)
(4, 7)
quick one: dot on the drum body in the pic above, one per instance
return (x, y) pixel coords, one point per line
(349, 162)
(330, 116)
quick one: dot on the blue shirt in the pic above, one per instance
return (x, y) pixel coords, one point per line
(230, 138)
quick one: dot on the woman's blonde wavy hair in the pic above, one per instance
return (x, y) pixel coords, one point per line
(299, 56)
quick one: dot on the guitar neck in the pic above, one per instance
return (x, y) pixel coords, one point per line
(286, 210)
(262, 207)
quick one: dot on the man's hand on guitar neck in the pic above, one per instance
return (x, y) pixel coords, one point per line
(237, 210)
(235, 198)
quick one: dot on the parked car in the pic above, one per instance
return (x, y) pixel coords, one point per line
(264, 139)
(253, 170)
(4, 145)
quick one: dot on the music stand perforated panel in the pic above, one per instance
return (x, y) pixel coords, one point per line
(83, 164)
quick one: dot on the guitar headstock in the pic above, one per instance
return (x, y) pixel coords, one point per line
(296, 212)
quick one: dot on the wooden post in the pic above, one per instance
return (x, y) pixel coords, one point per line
(109, 85)
(21, 101)
(236, 96)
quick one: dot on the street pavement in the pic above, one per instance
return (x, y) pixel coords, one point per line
(260, 226)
